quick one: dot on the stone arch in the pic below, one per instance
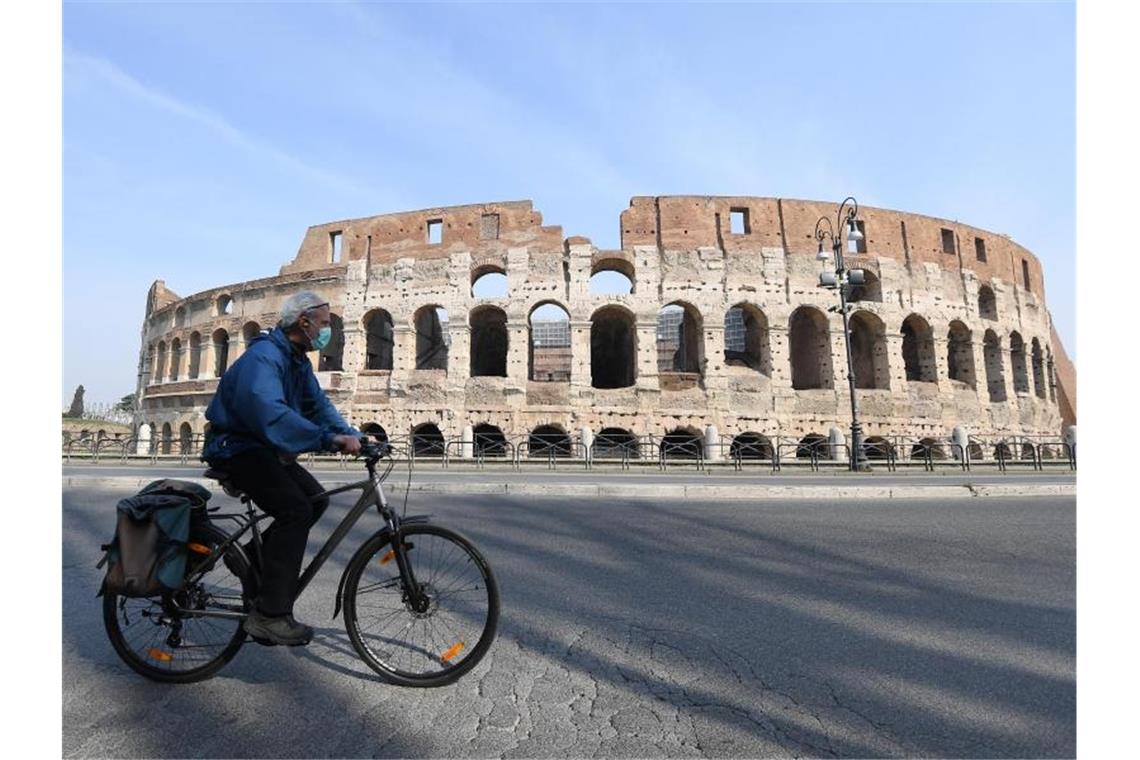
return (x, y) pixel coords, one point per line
(374, 429)
(612, 276)
(175, 359)
(750, 446)
(877, 448)
(195, 354)
(746, 341)
(167, 437)
(870, 291)
(427, 441)
(682, 443)
(918, 350)
(489, 441)
(332, 356)
(613, 348)
(615, 443)
(960, 354)
(869, 351)
(813, 442)
(931, 445)
(548, 440)
(221, 340)
(379, 339)
(489, 341)
(489, 281)
(680, 339)
(185, 438)
(1038, 369)
(549, 354)
(809, 349)
(431, 337)
(1017, 359)
(987, 303)
(249, 331)
(223, 305)
(160, 362)
(995, 368)
(180, 316)
(1051, 375)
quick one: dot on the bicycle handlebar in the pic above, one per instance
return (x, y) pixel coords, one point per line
(374, 450)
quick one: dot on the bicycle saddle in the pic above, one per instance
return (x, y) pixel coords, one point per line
(225, 480)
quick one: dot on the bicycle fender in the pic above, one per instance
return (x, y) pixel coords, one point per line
(383, 532)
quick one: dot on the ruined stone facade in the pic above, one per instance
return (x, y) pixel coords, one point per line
(951, 329)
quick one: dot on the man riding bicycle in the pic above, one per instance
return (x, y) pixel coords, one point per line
(269, 408)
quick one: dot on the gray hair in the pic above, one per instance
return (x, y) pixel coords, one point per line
(296, 305)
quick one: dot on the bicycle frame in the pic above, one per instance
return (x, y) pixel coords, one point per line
(372, 495)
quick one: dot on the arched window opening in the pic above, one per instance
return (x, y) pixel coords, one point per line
(995, 370)
(1017, 359)
(195, 354)
(746, 339)
(550, 353)
(1028, 451)
(374, 429)
(615, 443)
(489, 282)
(221, 340)
(249, 331)
(488, 342)
(877, 449)
(870, 290)
(489, 441)
(1038, 369)
(809, 349)
(332, 355)
(547, 441)
(927, 446)
(682, 443)
(432, 338)
(427, 441)
(869, 351)
(379, 339)
(960, 354)
(987, 303)
(223, 306)
(613, 348)
(160, 362)
(185, 438)
(1001, 451)
(167, 438)
(975, 451)
(1051, 378)
(750, 446)
(918, 350)
(679, 344)
(175, 359)
(612, 277)
(180, 316)
(813, 444)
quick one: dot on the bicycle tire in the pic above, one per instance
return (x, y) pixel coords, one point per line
(451, 637)
(141, 638)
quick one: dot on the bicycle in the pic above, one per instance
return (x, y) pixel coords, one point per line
(411, 573)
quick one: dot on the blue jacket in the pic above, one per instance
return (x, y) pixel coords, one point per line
(270, 398)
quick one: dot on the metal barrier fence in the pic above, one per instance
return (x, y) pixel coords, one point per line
(891, 452)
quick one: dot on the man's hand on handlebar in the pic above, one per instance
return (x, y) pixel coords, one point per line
(347, 444)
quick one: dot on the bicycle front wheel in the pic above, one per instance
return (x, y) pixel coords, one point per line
(156, 640)
(439, 642)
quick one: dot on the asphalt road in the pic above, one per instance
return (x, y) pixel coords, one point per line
(650, 629)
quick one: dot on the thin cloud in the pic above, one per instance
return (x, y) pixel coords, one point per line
(125, 83)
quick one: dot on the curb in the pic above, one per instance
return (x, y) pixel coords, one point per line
(639, 491)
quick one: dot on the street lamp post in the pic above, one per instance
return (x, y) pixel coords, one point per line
(843, 280)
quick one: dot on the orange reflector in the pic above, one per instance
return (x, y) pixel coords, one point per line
(450, 653)
(198, 548)
(391, 555)
(161, 656)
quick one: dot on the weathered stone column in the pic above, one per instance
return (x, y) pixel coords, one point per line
(518, 352)
(580, 379)
(403, 358)
(647, 353)
(354, 349)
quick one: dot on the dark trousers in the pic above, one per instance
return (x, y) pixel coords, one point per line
(285, 492)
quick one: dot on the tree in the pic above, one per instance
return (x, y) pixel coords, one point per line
(126, 403)
(76, 409)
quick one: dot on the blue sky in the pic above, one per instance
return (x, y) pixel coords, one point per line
(200, 140)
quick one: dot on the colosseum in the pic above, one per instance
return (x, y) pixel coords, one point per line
(717, 337)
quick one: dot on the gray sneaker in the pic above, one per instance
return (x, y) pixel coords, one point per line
(281, 629)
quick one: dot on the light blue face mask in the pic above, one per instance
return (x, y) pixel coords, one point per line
(322, 339)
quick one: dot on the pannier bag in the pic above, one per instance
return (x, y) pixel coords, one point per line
(147, 555)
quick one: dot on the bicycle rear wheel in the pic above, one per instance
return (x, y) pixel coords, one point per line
(437, 645)
(156, 642)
